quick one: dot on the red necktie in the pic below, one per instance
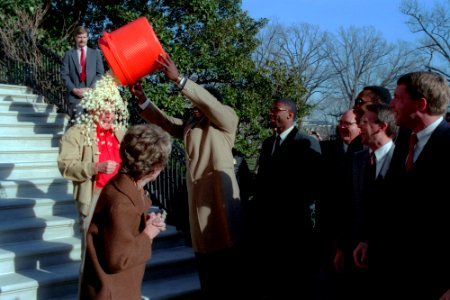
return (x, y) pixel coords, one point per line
(412, 144)
(83, 65)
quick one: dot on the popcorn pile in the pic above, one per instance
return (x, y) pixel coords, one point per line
(104, 97)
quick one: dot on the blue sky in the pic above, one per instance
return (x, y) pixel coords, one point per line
(383, 15)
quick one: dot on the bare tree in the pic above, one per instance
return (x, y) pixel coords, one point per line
(334, 68)
(18, 36)
(299, 49)
(360, 57)
(434, 26)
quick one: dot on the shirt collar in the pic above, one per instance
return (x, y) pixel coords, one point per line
(424, 135)
(285, 133)
(383, 150)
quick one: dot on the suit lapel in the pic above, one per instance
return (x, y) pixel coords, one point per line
(427, 150)
(386, 163)
(360, 168)
(74, 56)
(90, 63)
(288, 140)
(284, 145)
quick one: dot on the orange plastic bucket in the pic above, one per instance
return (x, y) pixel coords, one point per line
(132, 50)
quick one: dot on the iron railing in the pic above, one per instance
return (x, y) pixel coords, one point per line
(44, 78)
(169, 189)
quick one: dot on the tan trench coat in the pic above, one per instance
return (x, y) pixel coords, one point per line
(76, 162)
(213, 192)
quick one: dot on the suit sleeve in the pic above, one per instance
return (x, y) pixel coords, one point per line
(100, 69)
(65, 72)
(71, 156)
(174, 126)
(223, 116)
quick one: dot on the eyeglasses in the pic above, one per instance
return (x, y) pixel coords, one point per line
(277, 109)
(359, 101)
(346, 124)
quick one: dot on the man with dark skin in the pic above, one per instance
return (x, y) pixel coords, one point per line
(287, 182)
(213, 192)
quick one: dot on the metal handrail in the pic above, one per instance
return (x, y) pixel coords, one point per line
(44, 78)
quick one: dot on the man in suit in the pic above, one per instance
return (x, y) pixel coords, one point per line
(409, 253)
(368, 169)
(76, 80)
(213, 191)
(333, 213)
(287, 186)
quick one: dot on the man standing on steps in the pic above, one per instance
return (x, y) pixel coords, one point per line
(81, 68)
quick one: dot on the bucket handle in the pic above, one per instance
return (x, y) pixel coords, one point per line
(117, 57)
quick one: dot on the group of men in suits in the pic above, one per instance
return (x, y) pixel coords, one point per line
(394, 223)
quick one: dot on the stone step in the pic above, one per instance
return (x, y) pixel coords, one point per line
(11, 117)
(36, 254)
(45, 187)
(20, 97)
(20, 129)
(30, 155)
(33, 141)
(15, 89)
(46, 228)
(183, 287)
(39, 231)
(29, 170)
(27, 107)
(20, 208)
(61, 281)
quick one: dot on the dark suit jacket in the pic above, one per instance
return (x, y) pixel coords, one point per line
(334, 212)
(287, 184)
(365, 191)
(413, 222)
(70, 71)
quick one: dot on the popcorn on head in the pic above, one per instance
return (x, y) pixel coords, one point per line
(105, 96)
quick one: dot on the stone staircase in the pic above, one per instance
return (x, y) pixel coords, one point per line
(39, 238)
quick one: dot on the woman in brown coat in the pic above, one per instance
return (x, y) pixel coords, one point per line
(120, 236)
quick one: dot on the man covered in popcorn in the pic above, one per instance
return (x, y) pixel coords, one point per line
(89, 150)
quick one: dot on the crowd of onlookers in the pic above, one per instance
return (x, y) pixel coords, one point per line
(361, 216)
